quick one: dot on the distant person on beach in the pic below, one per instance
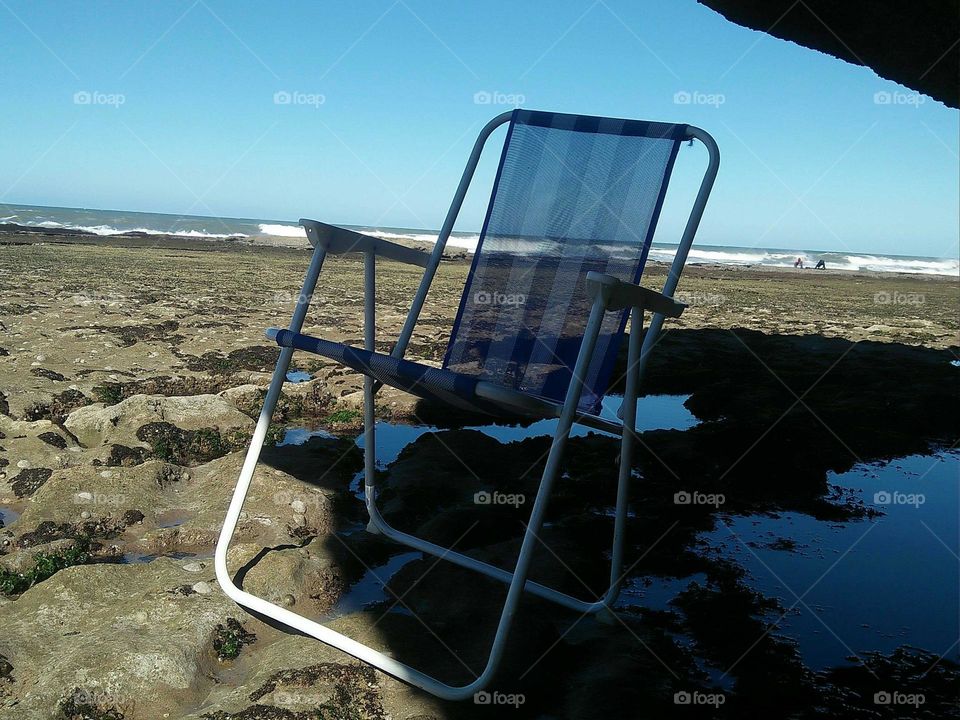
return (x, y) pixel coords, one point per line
(821, 265)
(798, 263)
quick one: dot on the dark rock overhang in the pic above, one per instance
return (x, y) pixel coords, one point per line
(915, 43)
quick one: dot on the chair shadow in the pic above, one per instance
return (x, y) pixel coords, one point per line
(778, 413)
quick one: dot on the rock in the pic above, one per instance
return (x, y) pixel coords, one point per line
(310, 575)
(25, 483)
(145, 647)
(180, 511)
(301, 675)
(247, 398)
(97, 425)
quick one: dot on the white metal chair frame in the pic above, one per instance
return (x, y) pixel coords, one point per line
(608, 294)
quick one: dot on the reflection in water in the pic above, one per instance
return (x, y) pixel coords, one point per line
(872, 584)
(136, 557)
(875, 584)
(8, 516)
(369, 590)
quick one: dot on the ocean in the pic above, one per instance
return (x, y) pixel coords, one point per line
(114, 222)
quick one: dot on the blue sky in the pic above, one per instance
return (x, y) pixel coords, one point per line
(170, 107)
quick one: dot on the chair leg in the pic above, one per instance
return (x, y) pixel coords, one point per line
(629, 410)
(518, 579)
(358, 650)
(378, 524)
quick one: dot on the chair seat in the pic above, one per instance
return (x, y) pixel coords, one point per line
(438, 384)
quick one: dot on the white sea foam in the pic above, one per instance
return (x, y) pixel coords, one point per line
(107, 230)
(468, 242)
(833, 260)
(278, 230)
(923, 266)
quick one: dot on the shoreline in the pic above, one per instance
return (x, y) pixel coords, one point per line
(14, 234)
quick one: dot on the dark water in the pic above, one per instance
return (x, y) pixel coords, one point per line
(848, 588)
(369, 589)
(874, 584)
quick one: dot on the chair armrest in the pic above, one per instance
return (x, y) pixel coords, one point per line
(340, 240)
(618, 294)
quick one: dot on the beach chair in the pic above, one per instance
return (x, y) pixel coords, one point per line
(553, 283)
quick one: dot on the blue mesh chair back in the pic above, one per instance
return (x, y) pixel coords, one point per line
(572, 194)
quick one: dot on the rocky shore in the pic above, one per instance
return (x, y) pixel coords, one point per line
(131, 372)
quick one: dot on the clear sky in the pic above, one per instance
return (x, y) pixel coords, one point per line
(173, 107)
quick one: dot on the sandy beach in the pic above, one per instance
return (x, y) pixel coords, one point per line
(132, 370)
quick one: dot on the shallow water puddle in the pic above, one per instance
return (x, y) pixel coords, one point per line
(137, 557)
(300, 435)
(654, 412)
(865, 585)
(369, 589)
(298, 376)
(174, 518)
(655, 593)
(8, 516)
